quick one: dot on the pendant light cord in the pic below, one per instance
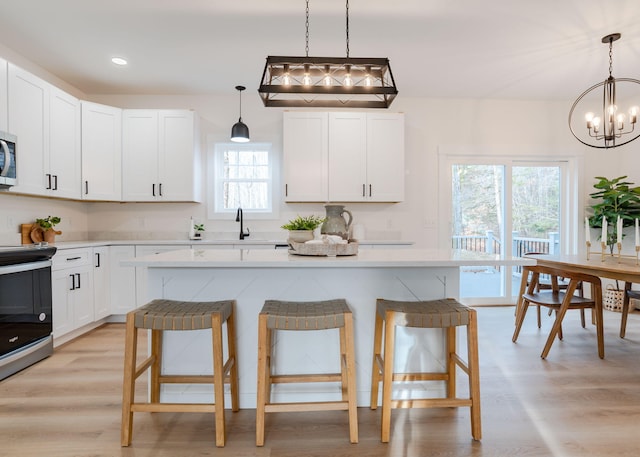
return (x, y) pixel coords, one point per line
(347, 29)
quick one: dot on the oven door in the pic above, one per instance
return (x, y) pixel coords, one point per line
(25, 304)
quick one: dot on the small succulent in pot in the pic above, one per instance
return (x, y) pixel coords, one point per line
(48, 222)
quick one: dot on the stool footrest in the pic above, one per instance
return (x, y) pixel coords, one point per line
(173, 407)
(301, 378)
(420, 377)
(431, 403)
(307, 406)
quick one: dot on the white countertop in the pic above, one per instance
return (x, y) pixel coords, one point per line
(257, 258)
(206, 242)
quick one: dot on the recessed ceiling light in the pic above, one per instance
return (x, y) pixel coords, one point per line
(119, 60)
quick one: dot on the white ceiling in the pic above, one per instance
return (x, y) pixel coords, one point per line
(528, 49)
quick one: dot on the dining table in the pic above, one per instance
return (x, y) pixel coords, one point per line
(616, 267)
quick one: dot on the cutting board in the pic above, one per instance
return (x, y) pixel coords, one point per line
(25, 233)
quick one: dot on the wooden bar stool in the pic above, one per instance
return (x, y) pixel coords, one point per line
(319, 315)
(159, 316)
(446, 314)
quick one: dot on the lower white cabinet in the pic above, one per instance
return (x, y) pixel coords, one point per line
(72, 290)
(122, 280)
(101, 283)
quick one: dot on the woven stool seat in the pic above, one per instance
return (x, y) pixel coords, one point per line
(164, 314)
(447, 314)
(279, 315)
(426, 314)
(315, 315)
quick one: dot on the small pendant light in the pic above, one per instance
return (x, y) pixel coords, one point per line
(240, 131)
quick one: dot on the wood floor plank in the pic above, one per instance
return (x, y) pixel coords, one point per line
(571, 404)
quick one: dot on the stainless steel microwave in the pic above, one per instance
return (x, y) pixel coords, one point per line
(8, 176)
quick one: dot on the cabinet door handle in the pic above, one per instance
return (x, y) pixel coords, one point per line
(97, 260)
(48, 181)
(369, 190)
(73, 282)
(55, 182)
(160, 189)
(363, 190)
(78, 276)
(286, 190)
(153, 190)
(86, 187)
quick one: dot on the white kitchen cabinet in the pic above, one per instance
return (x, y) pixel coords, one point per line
(72, 290)
(385, 157)
(101, 283)
(366, 157)
(347, 156)
(101, 148)
(343, 157)
(4, 102)
(122, 280)
(46, 121)
(161, 156)
(306, 156)
(63, 162)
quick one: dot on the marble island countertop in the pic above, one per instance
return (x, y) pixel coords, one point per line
(247, 258)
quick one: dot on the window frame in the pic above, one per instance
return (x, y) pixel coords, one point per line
(215, 161)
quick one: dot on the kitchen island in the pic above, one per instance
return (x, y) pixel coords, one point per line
(252, 276)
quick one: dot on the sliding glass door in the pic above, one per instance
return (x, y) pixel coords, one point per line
(506, 207)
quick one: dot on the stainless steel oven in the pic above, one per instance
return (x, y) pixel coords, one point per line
(25, 307)
(8, 169)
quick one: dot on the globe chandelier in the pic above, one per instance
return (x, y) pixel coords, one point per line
(605, 115)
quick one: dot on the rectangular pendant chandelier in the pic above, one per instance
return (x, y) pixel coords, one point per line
(327, 82)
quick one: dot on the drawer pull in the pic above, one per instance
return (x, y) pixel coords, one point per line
(73, 258)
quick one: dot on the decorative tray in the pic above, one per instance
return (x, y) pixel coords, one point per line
(324, 249)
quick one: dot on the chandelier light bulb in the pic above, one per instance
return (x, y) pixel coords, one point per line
(633, 114)
(286, 79)
(306, 79)
(596, 124)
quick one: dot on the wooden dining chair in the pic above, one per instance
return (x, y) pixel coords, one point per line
(545, 282)
(561, 301)
(626, 306)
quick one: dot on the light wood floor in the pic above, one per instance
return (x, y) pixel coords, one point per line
(572, 404)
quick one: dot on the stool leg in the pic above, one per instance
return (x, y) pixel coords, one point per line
(347, 334)
(474, 375)
(344, 375)
(451, 362)
(156, 366)
(218, 377)
(387, 374)
(377, 356)
(128, 383)
(264, 347)
(233, 373)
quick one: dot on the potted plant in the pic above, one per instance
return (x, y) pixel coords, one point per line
(614, 197)
(301, 228)
(45, 227)
(198, 230)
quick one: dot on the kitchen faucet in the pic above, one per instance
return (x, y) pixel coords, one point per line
(239, 218)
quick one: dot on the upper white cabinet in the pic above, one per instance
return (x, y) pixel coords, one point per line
(161, 160)
(344, 156)
(101, 152)
(4, 103)
(46, 121)
(306, 156)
